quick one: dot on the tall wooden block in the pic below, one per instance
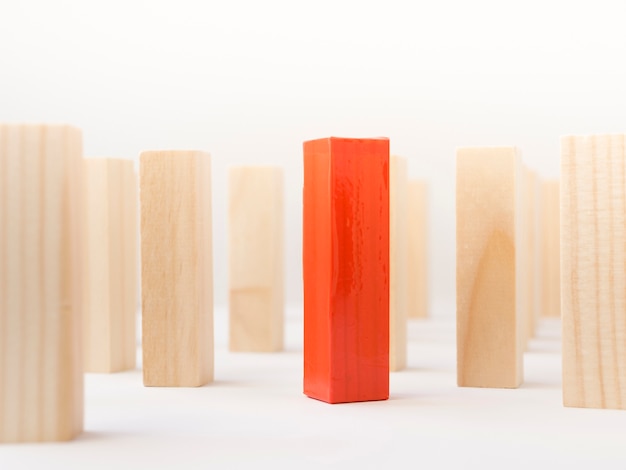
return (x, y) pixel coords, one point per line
(521, 248)
(346, 269)
(176, 271)
(398, 262)
(489, 338)
(593, 282)
(417, 202)
(256, 259)
(550, 259)
(528, 203)
(41, 374)
(110, 271)
(530, 238)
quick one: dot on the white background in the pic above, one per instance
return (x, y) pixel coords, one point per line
(249, 81)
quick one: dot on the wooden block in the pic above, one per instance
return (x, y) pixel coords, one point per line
(177, 271)
(418, 249)
(256, 259)
(110, 270)
(346, 269)
(41, 375)
(593, 257)
(521, 248)
(398, 263)
(489, 340)
(550, 259)
(530, 205)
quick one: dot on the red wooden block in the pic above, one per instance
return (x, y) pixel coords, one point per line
(346, 269)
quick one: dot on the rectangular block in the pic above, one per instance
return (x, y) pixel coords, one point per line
(398, 272)
(176, 268)
(346, 269)
(41, 375)
(417, 207)
(593, 257)
(489, 329)
(110, 269)
(528, 197)
(256, 259)
(550, 259)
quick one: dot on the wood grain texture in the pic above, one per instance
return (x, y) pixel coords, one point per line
(398, 262)
(177, 271)
(550, 259)
(346, 269)
(41, 375)
(256, 302)
(593, 261)
(418, 298)
(110, 259)
(488, 190)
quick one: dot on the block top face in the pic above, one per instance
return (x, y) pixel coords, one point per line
(468, 152)
(38, 126)
(332, 140)
(172, 153)
(590, 136)
(108, 159)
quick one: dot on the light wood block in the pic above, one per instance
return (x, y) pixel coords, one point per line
(522, 255)
(177, 271)
(256, 259)
(41, 375)
(593, 257)
(110, 271)
(418, 300)
(489, 339)
(398, 262)
(538, 273)
(530, 240)
(550, 259)
(346, 269)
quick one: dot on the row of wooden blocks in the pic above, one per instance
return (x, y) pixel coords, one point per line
(355, 273)
(71, 225)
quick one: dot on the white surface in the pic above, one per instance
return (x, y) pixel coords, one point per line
(249, 81)
(255, 415)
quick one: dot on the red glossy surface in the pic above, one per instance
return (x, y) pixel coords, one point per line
(346, 269)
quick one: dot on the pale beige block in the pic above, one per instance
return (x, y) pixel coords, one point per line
(522, 255)
(538, 270)
(551, 288)
(530, 256)
(417, 202)
(398, 264)
(110, 265)
(256, 301)
(489, 339)
(177, 271)
(593, 262)
(41, 375)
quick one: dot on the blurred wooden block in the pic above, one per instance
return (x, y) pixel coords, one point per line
(530, 240)
(593, 257)
(110, 270)
(398, 262)
(489, 340)
(41, 375)
(550, 259)
(522, 257)
(418, 299)
(346, 269)
(177, 271)
(256, 259)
